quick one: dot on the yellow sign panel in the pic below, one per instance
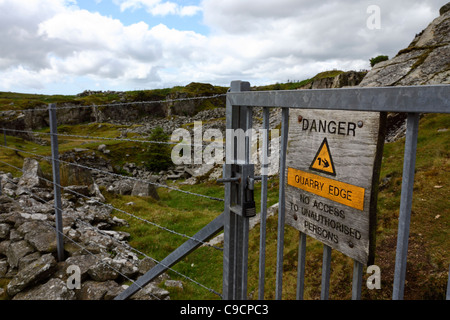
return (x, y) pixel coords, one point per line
(344, 193)
(323, 162)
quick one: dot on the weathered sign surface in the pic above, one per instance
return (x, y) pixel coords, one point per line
(333, 162)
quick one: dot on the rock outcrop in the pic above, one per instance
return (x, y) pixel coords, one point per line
(344, 79)
(425, 61)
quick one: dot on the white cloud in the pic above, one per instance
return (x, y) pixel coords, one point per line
(158, 7)
(52, 41)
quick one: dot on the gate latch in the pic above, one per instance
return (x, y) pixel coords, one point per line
(243, 182)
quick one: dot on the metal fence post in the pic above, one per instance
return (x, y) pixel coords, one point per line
(281, 204)
(264, 174)
(56, 181)
(357, 280)
(326, 265)
(409, 164)
(448, 286)
(236, 227)
(301, 265)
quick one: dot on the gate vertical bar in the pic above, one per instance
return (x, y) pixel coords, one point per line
(281, 204)
(264, 174)
(4, 137)
(245, 122)
(236, 227)
(448, 286)
(326, 264)
(409, 163)
(301, 266)
(56, 181)
(357, 280)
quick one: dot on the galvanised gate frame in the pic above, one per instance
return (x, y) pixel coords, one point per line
(239, 178)
(240, 100)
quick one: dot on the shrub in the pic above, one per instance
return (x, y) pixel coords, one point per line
(378, 59)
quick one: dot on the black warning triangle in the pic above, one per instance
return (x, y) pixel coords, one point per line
(323, 162)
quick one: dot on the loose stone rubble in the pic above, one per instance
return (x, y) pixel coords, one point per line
(28, 245)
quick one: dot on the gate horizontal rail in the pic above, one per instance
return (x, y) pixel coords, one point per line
(429, 99)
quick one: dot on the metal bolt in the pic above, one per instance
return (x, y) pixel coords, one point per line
(300, 118)
(295, 217)
(360, 124)
(350, 244)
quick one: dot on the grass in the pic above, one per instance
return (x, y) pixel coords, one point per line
(20, 101)
(429, 242)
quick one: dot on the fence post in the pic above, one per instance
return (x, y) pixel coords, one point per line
(409, 164)
(281, 203)
(301, 266)
(357, 280)
(326, 265)
(263, 215)
(448, 286)
(56, 181)
(236, 226)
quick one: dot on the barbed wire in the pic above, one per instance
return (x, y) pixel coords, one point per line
(115, 174)
(104, 138)
(120, 210)
(112, 237)
(119, 104)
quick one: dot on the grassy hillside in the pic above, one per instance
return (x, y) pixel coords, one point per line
(19, 101)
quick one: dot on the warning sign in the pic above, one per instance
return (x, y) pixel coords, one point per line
(323, 162)
(333, 162)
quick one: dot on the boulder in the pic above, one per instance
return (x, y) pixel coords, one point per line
(173, 284)
(445, 8)
(103, 270)
(35, 272)
(3, 267)
(4, 231)
(84, 262)
(54, 289)
(151, 292)
(16, 251)
(95, 192)
(40, 235)
(92, 290)
(142, 189)
(31, 177)
(122, 187)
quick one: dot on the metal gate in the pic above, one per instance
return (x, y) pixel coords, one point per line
(239, 178)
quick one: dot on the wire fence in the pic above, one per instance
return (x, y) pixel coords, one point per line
(121, 104)
(52, 159)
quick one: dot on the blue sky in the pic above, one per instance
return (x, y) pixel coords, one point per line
(68, 46)
(135, 15)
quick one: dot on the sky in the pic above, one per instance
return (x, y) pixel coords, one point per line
(68, 46)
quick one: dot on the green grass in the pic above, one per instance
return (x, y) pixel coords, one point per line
(186, 215)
